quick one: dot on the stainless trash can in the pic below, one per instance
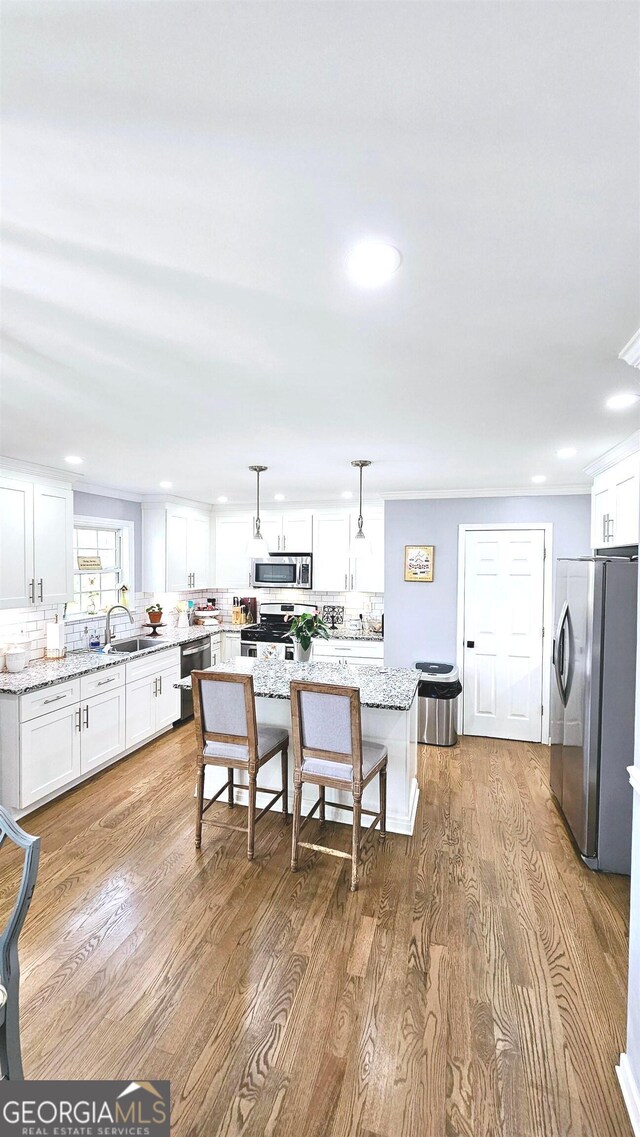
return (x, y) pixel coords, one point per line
(438, 692)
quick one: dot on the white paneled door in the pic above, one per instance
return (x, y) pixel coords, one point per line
(503, 629)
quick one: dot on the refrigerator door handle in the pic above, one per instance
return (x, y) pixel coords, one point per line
(559, 652)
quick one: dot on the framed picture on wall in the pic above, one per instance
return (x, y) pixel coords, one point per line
(418, 562)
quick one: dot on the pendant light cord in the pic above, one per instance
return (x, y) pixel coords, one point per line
(360, 517)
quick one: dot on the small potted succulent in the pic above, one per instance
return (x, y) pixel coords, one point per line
(305, 629)
(154, 612)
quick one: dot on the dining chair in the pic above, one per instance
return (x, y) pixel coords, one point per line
(329, 752)
(10, 1049)
(225, 718)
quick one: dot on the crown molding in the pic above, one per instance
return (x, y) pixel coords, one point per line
(110, 491)
(611, 457)
(631, 351)
(34, 469)
(502, 491)
(152, 499)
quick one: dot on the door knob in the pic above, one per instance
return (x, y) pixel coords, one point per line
(471, 643)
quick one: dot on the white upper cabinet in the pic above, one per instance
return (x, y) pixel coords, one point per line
(297, 532)
(233, 533)
(17, 578)
(331, 564)
(176, 548)
(53, 543)
(36, 542)
(326, 533)
(615, 504)
(290, 532)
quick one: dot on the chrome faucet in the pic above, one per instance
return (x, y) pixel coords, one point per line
(108, 634)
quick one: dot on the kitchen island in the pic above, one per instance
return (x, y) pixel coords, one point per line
(389, 716)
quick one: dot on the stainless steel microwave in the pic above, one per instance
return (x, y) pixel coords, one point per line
(280, 571)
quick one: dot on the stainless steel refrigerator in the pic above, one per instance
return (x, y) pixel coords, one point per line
(593, 705)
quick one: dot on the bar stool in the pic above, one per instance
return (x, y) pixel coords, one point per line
(225, 718)
(329, 753)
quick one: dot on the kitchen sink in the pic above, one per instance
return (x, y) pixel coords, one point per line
(138, 644)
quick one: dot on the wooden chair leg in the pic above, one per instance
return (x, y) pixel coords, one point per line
(252, 816)
(230, 794)
(199, 805)
(284, 763)
(355, 842)
(322, 804)
(295, 836)
(383, 802)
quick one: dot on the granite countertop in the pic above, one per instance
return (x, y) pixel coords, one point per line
(384, 688)
(46, 672)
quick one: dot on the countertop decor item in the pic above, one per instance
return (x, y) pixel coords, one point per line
(16, 658)
(418, 563)
(154, 612)
(154, 627)
(304, 629)
(333, 614)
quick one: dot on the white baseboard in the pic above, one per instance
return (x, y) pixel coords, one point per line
(630, 1092)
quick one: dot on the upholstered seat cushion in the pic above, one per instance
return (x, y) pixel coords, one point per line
(372, 755)
(268, 738)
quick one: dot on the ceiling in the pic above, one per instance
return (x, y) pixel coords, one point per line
(182, 182)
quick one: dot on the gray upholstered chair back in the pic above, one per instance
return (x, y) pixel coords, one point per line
(10, 1051)
(325, 721)
(326, 724)
(224, 708)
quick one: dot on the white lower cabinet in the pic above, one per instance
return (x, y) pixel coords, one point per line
(50, 738)
(358, 653)
(230, 646)
(153, 702)
(141, 710)
(103, 733)
(49, 753)
(216, 650)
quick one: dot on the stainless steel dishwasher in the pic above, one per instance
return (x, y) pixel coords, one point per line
(194, 656)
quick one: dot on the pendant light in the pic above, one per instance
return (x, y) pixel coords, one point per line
(257, 546)
(360, 546)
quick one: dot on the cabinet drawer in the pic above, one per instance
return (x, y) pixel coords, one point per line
(337, 649)
(106, 680)
(50, 699)
(152, 664)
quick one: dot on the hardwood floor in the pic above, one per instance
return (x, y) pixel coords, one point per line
(474, 986)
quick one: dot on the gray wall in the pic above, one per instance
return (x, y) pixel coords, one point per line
(420, 619)
(114, 509)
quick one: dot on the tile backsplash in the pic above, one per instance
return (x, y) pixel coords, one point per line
(27, 626)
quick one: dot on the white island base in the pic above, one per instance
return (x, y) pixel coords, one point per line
(397, 730)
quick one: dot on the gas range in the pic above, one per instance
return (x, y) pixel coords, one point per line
(270, 638)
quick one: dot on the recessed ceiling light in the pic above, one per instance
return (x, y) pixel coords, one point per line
(566, 452)
(73, 460)
(278, 497)
(372, 263)
(223, 500)
(622, 401)
(347, 493)
(538, 479)
(166, 485)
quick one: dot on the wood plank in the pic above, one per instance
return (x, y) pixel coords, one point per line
(474, 985)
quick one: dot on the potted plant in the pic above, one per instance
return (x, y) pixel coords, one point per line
(305, 629)
(154, 612)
